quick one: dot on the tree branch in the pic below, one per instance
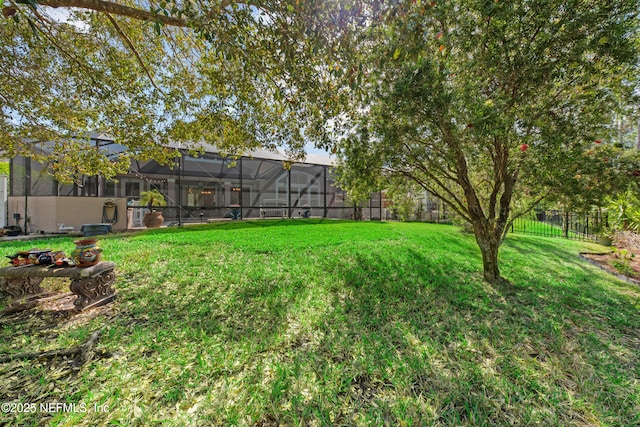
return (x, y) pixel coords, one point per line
(49, 35)
(454, 202)
(134, 12)
(500, 162)
(128, 42)
(445, 200)
(117, 9)
(474, 206)
(85, 352)
(518, 215)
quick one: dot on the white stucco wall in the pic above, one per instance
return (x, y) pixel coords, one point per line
(46, 213)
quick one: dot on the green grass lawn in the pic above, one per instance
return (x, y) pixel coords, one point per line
(336, 323)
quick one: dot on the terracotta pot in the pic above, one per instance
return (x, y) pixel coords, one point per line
(153, 219)
(605, 241)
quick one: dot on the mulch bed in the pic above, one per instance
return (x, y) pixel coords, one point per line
(603, 260)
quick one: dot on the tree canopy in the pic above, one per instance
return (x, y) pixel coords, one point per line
(486, 103)
(158, 74)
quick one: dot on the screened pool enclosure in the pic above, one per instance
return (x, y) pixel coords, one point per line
(200, 189)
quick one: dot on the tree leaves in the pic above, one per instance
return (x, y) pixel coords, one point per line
(453, 113)
(228, 76)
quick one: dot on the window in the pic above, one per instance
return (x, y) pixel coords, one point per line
(132, 189)
(110, 189)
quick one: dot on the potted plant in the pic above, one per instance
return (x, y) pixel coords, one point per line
(236, 212)
(606, 236)
(153, 218)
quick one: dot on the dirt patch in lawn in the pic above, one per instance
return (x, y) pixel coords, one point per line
(623, 260)
(624, 266)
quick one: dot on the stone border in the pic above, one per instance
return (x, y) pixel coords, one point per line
(619, 276)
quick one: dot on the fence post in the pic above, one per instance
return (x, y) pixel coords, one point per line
(586, 230)
(565, 226)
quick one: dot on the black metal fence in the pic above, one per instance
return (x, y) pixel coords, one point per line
(555, 223)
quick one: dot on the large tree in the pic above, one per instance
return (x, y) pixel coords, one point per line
(157, 73)
(483, 102)
(470, 99)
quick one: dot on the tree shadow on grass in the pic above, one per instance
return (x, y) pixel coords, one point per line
(407, 325)
(170, 337)
(436, 329)
(235, 311)
(565, 278)
(531, 245)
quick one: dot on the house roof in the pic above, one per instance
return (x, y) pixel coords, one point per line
(109, 145)
(260, 153)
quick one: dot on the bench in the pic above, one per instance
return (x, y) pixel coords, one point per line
(92, 285)
(89, 230)
(273, 212)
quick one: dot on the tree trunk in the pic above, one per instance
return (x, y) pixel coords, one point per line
(489, 246)
(357, 213)
(638, 139)
(489, 250)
